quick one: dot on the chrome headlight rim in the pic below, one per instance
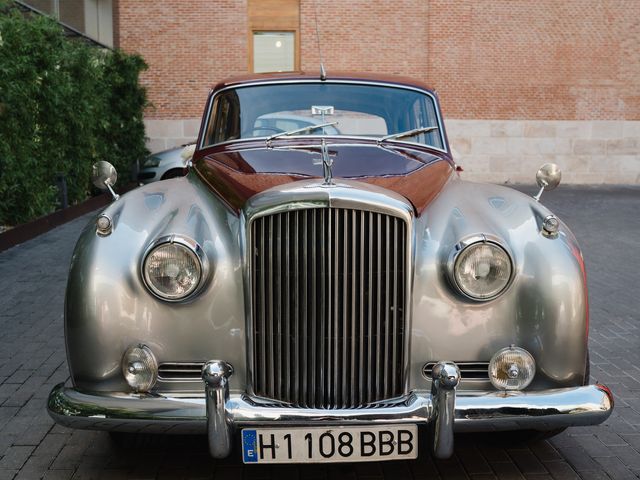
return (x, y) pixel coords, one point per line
(193, 248)
(470, 241)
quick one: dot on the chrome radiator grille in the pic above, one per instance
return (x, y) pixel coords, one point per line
(328, 307)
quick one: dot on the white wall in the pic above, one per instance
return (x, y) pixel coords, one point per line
(588, 152)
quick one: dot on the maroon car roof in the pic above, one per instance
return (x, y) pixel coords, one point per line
(344, 76)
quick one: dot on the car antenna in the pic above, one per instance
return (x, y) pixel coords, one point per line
(323, 72)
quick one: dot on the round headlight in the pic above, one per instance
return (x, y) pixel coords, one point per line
(140, 368)
(512, 368)
(172, 269)
(482, 270)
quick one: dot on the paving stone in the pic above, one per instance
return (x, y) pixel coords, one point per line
(594, 475)
(507, 471)
(611, 439)
(68, 457)
(15, 457)
(629, 456)
(423, 468)
(58, 475)
(473, 461)
(593, 446)
(544, 451)
(527, 461)
(451, 468)
(579, 459)
(561, 470)
(615, 468)
(35, 467)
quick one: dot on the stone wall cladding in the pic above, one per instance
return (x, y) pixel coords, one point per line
(588, 152)
(163, 134)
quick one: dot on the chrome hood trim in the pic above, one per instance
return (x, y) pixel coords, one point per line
(315, 194)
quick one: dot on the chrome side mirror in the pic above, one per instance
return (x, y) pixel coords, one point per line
(548, 177)
(104, 176)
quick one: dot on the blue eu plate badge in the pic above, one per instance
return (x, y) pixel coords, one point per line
(249, 446)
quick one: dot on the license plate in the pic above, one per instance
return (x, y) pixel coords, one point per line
(329, 444)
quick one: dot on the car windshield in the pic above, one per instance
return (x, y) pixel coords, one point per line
(352, 110)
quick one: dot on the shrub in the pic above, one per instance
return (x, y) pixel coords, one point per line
(63, 105)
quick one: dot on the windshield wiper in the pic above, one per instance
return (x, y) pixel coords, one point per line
(310, 128)
(408, 133)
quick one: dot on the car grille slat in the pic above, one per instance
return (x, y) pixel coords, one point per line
(328, 293)
(361, 312)
(314, 314)
(345, 308)
(354, 344)
(394, 324)
(270, 352)
(387, 290)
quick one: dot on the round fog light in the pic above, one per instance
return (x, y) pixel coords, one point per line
(140, 368)
(512, 368)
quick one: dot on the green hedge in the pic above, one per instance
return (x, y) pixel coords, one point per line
(64, 104)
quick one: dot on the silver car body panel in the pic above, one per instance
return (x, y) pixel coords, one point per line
(108, 307)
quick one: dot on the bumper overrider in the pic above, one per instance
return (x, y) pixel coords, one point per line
(219, 414)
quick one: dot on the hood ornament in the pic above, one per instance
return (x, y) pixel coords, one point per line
(327, 163)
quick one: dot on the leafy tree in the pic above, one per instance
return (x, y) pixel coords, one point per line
(63, 105)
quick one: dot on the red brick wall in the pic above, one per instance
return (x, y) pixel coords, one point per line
(366, 35)
(188, 45)
(491, 59)
(542, 59)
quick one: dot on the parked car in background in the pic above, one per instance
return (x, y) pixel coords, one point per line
(162, 165)
(323, 283)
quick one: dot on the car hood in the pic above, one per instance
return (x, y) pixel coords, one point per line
(236, 172)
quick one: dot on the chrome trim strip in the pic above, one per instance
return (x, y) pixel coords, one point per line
(338, 81)
(467, 370)
(474, 411)
(181, 371)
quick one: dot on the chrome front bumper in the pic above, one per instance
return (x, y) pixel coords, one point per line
(218, 413)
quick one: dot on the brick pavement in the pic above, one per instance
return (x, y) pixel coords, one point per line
(32, 361)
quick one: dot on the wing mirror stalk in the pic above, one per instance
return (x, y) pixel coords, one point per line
(548, 177)
(104, 176)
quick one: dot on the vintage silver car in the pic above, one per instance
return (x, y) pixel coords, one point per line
(333, 292)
